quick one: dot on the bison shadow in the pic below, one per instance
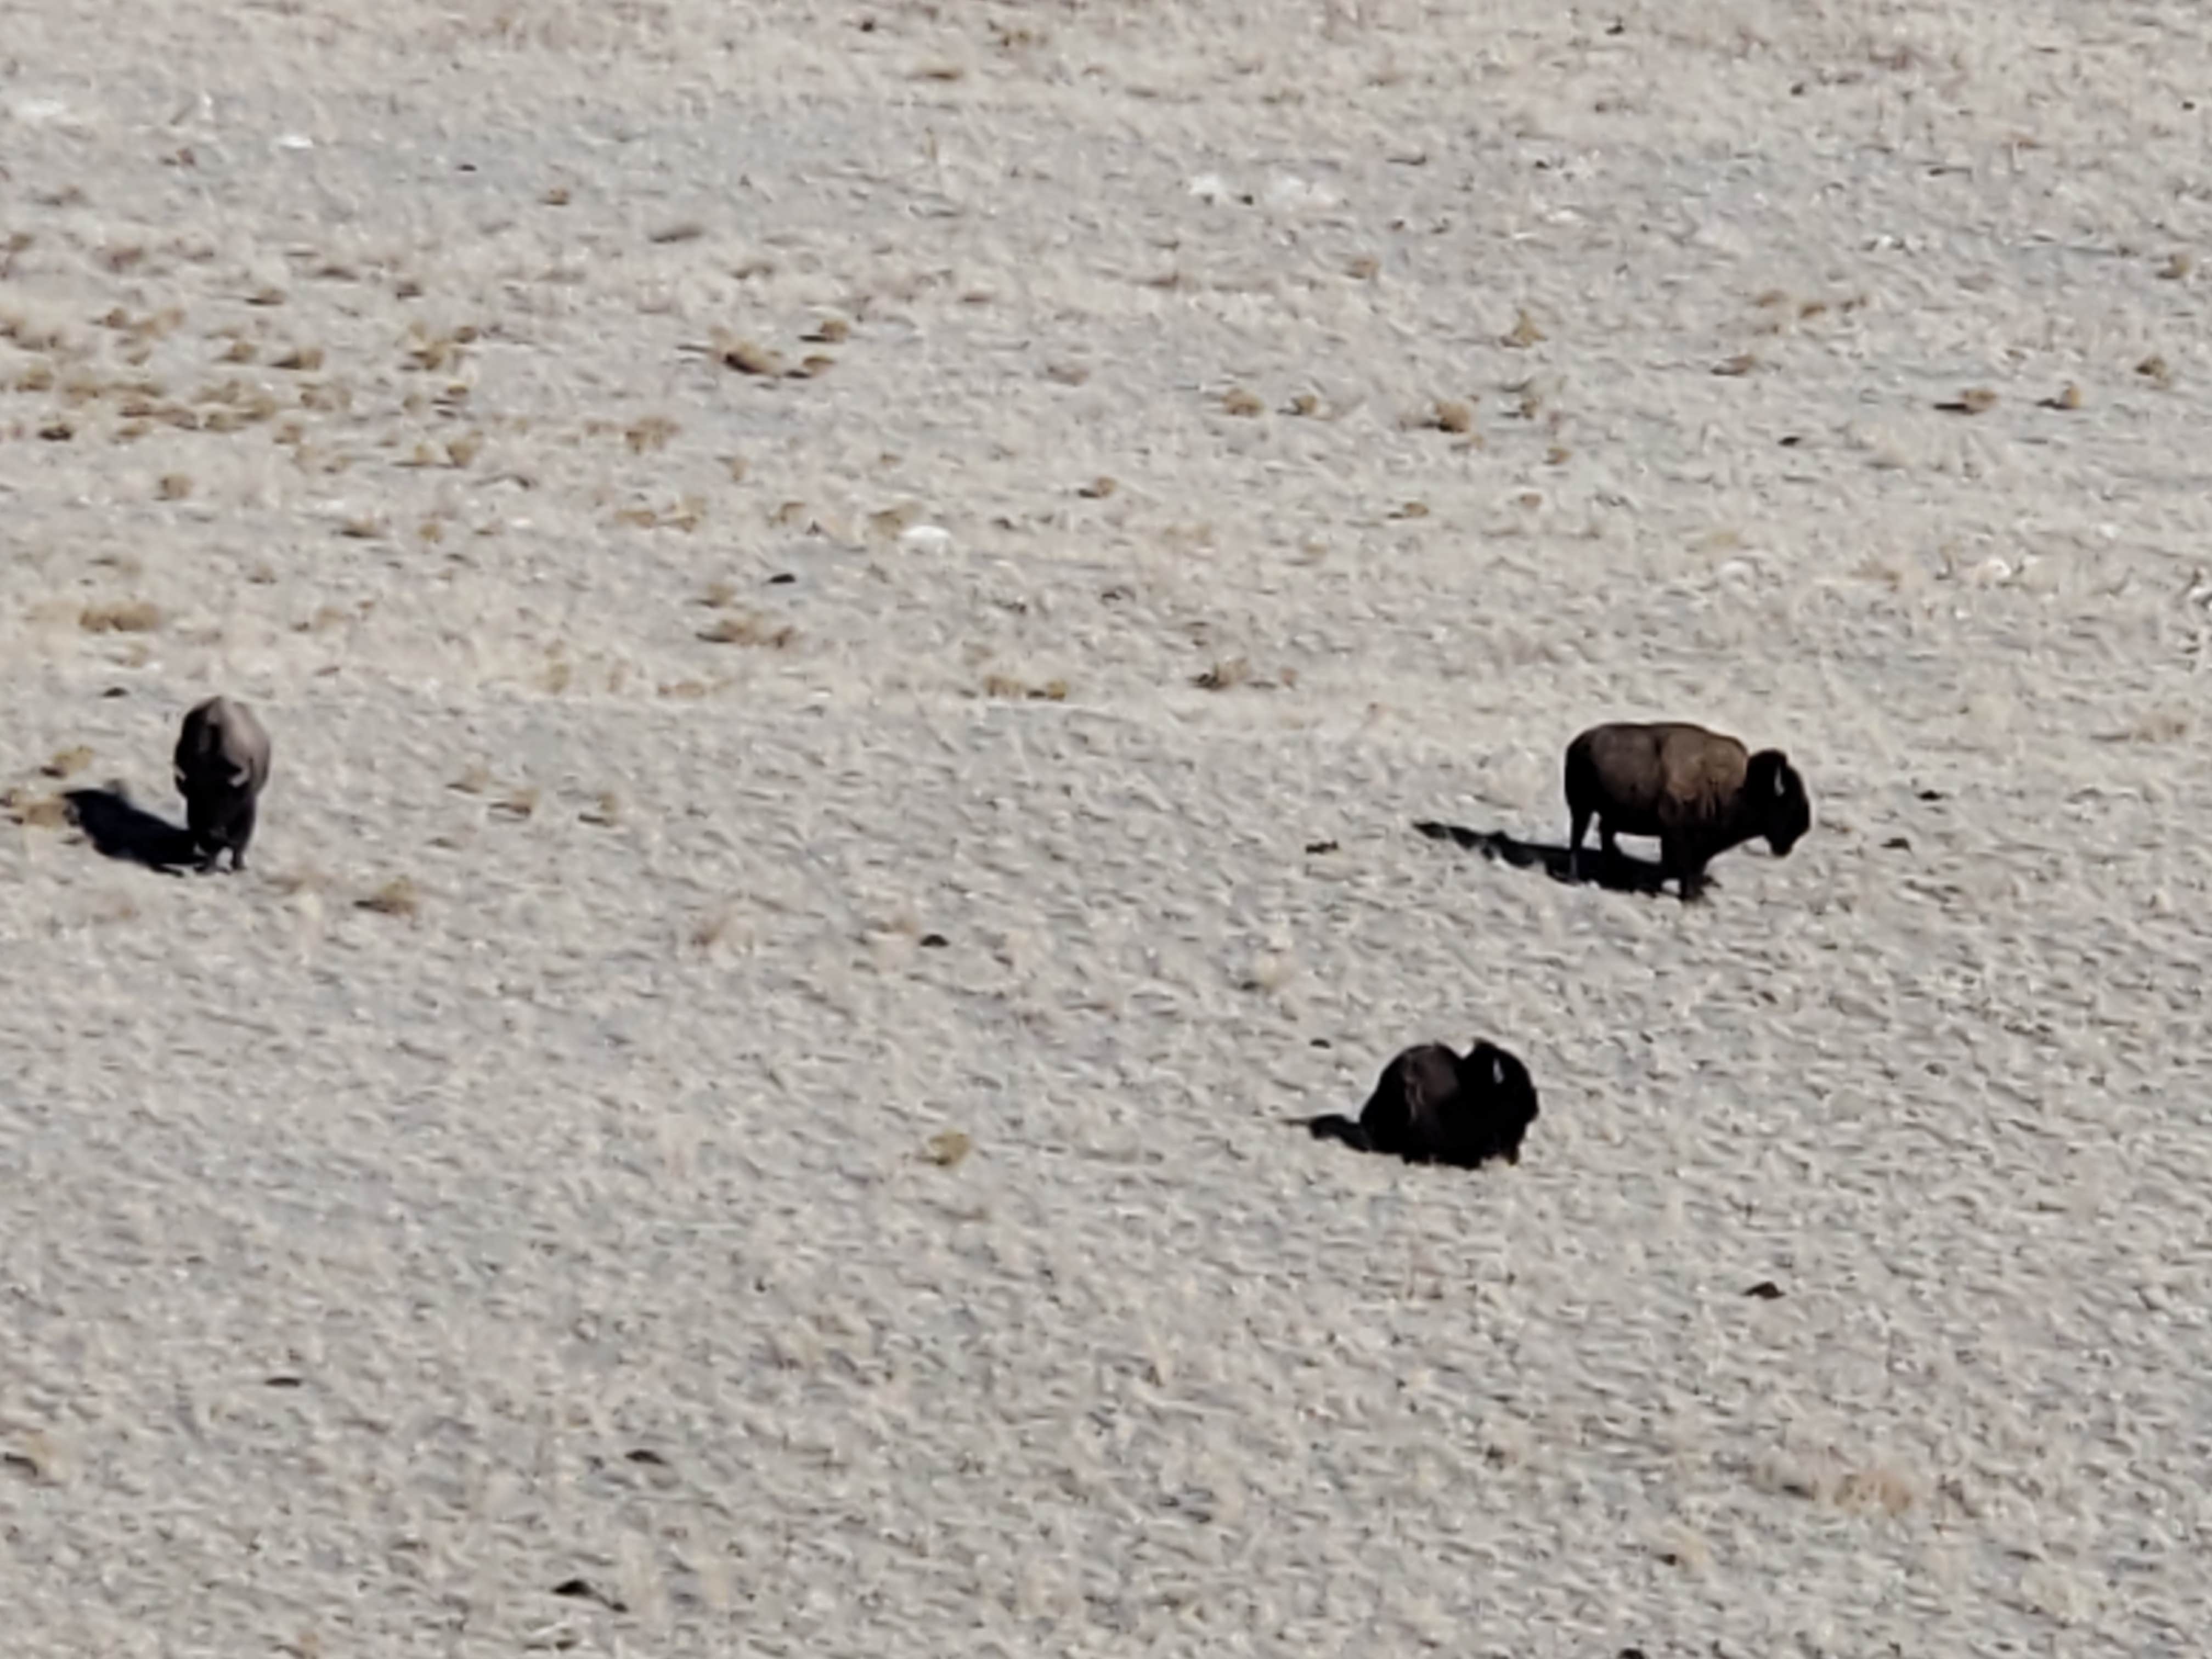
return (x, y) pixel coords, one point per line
(1618, 872)
(118, 829)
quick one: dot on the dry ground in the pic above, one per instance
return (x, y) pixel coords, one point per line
(747, 1076)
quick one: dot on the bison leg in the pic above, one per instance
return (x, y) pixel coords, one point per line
(241, 832)
(1577, 826)
(1687, 869)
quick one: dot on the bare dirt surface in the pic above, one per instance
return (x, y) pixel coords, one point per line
(857, 605)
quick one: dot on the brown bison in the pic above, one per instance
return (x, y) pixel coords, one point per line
(1699, 792)
(221, 765)
(1432, 1106)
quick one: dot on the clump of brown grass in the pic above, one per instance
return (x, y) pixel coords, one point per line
(746, 357)
(67, 762)
(36, 812)
(947, 1147)
(397, 897)
(686, 516)
(119, 617)
(649, 433)
(714, 928)
(1223, 675)
(891, 521)
(1007, 686)
(748, 628)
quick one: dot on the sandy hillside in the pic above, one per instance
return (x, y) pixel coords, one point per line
(708, 778)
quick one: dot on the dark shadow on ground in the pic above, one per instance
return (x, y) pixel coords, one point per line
(118, 830)
(1618, 873)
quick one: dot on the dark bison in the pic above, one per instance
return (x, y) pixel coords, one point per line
(222, 764)
(1432, 1106)
(1699, 792)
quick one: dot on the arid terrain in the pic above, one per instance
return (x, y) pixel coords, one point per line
(858, 604)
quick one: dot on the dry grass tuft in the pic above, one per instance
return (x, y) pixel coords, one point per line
(1974, 400)
(519, 803)
(649, 435)
(1223, 675)
(397, 897)
(1008, 687)
(1879, 1488)
(36, 812)
(1449, 415)
(749, 627)
(67, 762)
(2160, 726)
(1524, 332)
(119, 617)
(474, 781)
(891, 522)
(1239, 401)
(686, 515)
(947, 1147)
(746, 357)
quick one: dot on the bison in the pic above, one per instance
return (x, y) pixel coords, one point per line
(222, 766)
(1699, 792)
(1432, 1106)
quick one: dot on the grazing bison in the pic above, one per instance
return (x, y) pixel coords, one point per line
(223, 762)
(1431, 1106)
(1699, 792)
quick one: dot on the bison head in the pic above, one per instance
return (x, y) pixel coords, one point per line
(1776, 796)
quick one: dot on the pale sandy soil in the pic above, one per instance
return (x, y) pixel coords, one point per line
(366, 1274)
